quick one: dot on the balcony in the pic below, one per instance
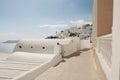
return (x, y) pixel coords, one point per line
(103, 50)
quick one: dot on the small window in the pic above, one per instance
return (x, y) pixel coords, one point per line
(58, 43)
(20, 46)
(43, 47)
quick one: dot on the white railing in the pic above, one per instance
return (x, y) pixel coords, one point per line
(104, 47)
(104, 52)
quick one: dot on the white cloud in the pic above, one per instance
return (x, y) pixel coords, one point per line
(80, 22)
(53, 26)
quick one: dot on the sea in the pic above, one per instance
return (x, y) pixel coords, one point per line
(7, 47)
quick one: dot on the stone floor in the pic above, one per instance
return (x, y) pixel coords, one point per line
(77, 67)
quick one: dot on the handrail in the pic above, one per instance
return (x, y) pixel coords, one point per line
(104, 47)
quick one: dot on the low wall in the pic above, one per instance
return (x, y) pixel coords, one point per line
(98, 66)
(35, 46)
(103, 52)
(68, 46)
(85, 44)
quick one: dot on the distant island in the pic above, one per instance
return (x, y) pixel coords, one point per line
(11, 41)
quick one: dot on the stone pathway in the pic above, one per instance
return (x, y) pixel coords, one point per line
(77, 67)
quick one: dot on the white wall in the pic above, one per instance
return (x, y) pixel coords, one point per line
(105, 67)
(85, 44)
(116, 41)
(69, 46)
(35, 46)
(69, 49)
(78, 42)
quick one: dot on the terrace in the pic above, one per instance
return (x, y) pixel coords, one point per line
(102, 61)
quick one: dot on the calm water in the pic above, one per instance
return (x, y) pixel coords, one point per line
(7, 47)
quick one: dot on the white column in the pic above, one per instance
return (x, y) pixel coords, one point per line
(116, 41)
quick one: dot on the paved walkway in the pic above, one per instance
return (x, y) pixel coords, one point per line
(77, 67)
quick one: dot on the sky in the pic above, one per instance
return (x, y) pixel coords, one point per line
(40, 18)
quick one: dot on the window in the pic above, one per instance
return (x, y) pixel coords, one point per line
(58, 43)
(20, 46)
(43, 47)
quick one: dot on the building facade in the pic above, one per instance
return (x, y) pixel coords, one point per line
(106, 20)
(102, 18)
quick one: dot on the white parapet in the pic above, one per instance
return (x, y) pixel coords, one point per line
(116, 41)
(104, 53)
(85, 44)
(69, 46)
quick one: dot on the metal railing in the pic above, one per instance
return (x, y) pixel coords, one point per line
(104, 47)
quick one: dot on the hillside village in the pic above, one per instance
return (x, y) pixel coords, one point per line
(83, 32)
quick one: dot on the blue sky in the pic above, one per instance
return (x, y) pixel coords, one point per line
(39, 18)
